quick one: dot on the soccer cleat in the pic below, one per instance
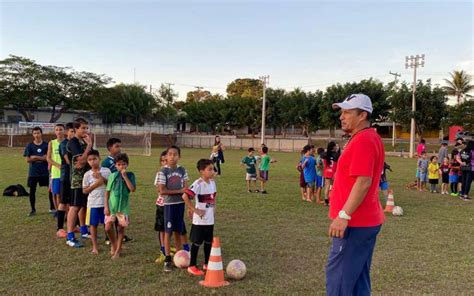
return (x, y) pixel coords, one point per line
(127, 239)
(167, 267)
(249, 191)
(86, 235)
(194, 270)
(264, 192)
(61, 233)
(32, 213)
(160, 258)
(257, 191)
(74, 243)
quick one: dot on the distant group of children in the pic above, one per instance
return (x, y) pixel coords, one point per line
(317, 169)
(251, 162)
(455, 170)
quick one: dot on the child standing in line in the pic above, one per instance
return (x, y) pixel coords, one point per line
(250, 165)
(319, 175)
(433, 173)
(203, 191)
(444, 168)
(160, 216)
(119, 186)
(454, 169)
(93, 184)
(299, 168)
(423, 170)
(54, 159)
(172, 182)
(309, 171)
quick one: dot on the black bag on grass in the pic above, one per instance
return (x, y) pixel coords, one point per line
(15, 190)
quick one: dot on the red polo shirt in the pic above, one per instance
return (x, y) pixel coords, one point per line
(363, 156)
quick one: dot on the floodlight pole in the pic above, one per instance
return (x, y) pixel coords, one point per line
(394, 125)
(413, 62)
(265, 80)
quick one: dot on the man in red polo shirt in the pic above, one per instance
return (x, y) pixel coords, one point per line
(355, 209)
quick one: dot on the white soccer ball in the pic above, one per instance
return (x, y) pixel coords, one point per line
(397, 211)
(181, 259)
(236, 270)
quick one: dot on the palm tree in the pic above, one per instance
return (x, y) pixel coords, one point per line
(459, 85)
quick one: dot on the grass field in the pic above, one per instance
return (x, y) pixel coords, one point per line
(282, 240)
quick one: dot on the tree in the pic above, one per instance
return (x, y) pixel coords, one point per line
(20, 84)
(462, 115)
(274, 110)
(26, 85)
(167, 94)
(430, 103)
(459, 85)
(197, 95)
(126, 103)
(245, 88)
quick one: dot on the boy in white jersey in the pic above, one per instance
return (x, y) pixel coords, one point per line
(93, 184)
(202, 229)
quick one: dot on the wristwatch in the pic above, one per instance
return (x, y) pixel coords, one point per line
(343, 215)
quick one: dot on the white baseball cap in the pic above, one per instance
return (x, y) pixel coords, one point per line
(359, 101)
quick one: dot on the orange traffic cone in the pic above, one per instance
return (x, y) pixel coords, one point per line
(215, 269)
(390, 202)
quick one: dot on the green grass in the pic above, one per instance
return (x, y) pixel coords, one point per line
(282, 240)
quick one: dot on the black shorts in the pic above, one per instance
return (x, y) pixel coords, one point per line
(65, 191)
(201, 233)
(445, 178)
(433, 181)
(160, 219)
(78, 198)
(43, 181)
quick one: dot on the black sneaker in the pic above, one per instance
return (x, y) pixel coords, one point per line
(167, 267)
(32, 213)
(249, 191)
(467, 198)
(264, 192)
(127, 239)
(257, 191)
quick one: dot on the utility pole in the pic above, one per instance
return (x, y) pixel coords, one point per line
(413, 62)
(265, 80)
(169, 92)
(394, 126)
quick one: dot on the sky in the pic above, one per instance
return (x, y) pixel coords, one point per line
(307, 44)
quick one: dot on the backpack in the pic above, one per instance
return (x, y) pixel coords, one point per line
(15, 190)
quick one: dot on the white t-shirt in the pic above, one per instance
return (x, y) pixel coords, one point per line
(96, 196)
(204, 195)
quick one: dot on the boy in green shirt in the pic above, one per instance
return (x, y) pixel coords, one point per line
(119, 186)
(250, 166)
(265, 161)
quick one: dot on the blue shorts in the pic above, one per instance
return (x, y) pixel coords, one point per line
(383, 185)
(319, 181)
(56, 186)
(453, 179)
(424, 177)
(174, 218)
(309, 184)
(95, 216)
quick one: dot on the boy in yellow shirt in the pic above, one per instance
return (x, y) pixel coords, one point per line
(433, 173)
